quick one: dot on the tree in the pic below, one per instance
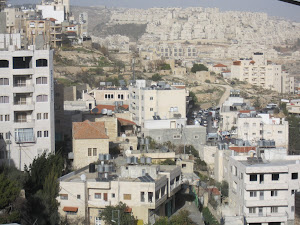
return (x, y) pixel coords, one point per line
(198, 67)
(9, 191)
(156, 77)
(125, 217)
(182, 218)
(191, 149)
(194, 97)
(167, 162)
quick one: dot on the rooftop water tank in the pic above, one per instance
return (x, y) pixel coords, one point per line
(148, 160)
(142, 160)
(100, 168)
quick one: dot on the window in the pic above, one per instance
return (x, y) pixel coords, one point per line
(127, 196)
(113, 195)
(24, 135)
(39, 116)
(253, 194)
(252, 210)
(1, 117)
(4, 81)
(4, 64)
(142, 196)
(293, 191)
(196, 137)
(46, 133)
(63, 196)
(7, 135)
(274, 209)
(45, 116)
(275, 176)
(41, 63)
(94, 151)
(20, 99)
(89, 151)
(120, 96)
(39, 134)
(97, 195)
(274, 193)
(177, 136)
(1, 136)
(42, 98)
(253, 177)
(242, 176)
(294, 176)
(78, 196)
(41, 80)
(150, 196)
(151, 109)
(183, 165)
(151, 98)
(7, 118)
(280, 132)
(22, 62)
(292, 208)
(4, 99)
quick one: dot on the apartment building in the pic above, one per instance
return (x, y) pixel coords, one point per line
(263, 191)
(254, 127)
(258, 71)
(293, 107)
(108, 96)
(26, 105)
(156, 102)
(148, 190)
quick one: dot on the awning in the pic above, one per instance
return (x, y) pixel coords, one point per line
(126, 122)
(70, 209)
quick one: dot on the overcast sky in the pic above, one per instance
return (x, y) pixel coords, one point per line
(272, 7)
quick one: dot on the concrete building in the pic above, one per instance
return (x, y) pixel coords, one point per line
(89, 140)
(148, 190)
(293, 107)
(156, 102)
(108, 96)
(263, 191)
(258, 71)
(26, 105)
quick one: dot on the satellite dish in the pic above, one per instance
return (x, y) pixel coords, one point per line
(83, 177)
(95, 110)
(123, 135)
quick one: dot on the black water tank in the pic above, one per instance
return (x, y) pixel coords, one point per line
(92, 168)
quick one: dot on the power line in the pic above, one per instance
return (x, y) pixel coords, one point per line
(294, 2)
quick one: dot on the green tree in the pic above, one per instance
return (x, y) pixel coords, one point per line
(165, 66)
(156, 77)
(208, 217)
(168, 162)
(198, 67)
(294, 134)
(191, 149)
(182, 218)
(125, 217)
(194, 97)
(9, 191)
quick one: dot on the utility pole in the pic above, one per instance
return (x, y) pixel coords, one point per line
(9, 143)
(113, 218)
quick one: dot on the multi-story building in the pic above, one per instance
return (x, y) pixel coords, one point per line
(261, 191)
(258, 71)
(156, 102)
(26, 105)
(293, 107)
(148, 190)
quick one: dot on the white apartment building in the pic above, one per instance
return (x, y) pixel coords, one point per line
(254, 127)
(148, 190)
(293, 107)
(26, 105)
(258, 71)
(156, 102)
(262, 192)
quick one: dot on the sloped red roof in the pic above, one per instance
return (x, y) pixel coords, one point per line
(214, 191)
(244, 111)
(220, 65)
(108, 107)
(126, 122)
(237, 63)
(89, 130)
(242, 149)
(52, 19)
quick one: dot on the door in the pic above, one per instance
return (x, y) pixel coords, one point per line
(105, 197)
(261, 178)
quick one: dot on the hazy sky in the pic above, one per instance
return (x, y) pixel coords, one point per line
(272, 7)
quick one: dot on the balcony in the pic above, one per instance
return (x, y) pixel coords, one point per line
(266, 217)
(24, 124)
(27, 106)
(24, 71)
(28, 88)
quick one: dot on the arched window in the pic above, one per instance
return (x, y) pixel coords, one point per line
(42, 98)
(41, 62)
(41, 80)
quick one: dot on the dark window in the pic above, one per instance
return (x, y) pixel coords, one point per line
(253, 177)
(41, 63)
(4, 63)
(294, 176)
(275, 176)
(183, 165)
(22, 62)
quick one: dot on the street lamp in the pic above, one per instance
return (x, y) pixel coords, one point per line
(113, 219)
